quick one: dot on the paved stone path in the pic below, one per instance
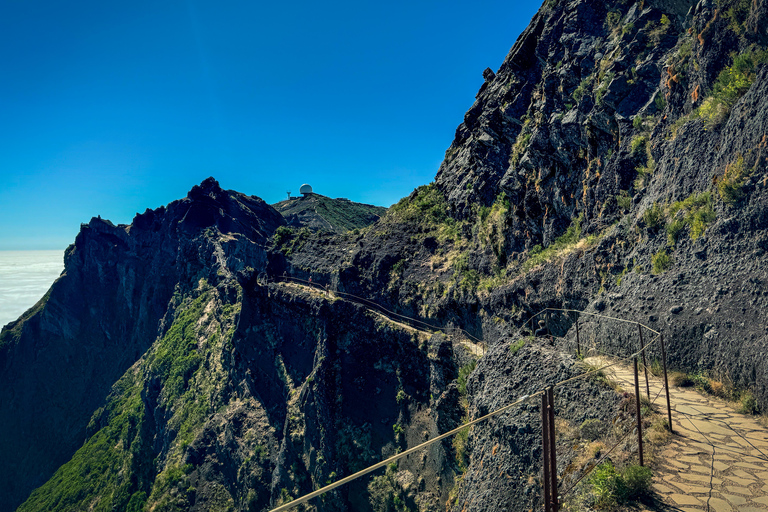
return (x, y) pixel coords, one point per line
(717, 459)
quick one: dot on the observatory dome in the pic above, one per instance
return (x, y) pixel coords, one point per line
(305, 189)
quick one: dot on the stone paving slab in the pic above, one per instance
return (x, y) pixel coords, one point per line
(688, 476)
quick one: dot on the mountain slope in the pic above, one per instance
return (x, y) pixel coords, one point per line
(58, 364)
(318, 212)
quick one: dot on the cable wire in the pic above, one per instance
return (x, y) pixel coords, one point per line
(399, 456)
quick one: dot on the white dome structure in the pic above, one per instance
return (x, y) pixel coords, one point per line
(305, 189)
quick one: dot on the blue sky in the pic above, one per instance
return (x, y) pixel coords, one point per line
(110, 108)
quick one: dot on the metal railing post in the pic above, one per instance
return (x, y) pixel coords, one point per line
(578, 341)
(552, 447)
(545, 451)
(639, 417)
(645, 364)
(666, 382)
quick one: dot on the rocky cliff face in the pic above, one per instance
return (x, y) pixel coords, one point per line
(615, 163)
(58, 365)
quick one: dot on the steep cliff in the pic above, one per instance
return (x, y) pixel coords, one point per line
(59, 362)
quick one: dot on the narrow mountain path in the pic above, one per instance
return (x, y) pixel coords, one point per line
(717, 459)
(475, 349)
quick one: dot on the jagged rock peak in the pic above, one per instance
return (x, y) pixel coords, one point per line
(208, 187)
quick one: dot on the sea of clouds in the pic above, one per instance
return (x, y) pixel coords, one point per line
(25, 276)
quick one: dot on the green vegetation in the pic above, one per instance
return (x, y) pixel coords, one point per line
(13, 334)
(719, 387)
(736, 14)
(624, 201)
(638, 144)
(657, 31)
(516, 345)
(466, 278)
(288, 240)
(567, 241)
(426, 207)
(521, 143)
(584, 87)
(730, 85)
(602, 89)
(338, 215)
(492, 223)
(608, 488)
(661, 262)
(91, 479)
(653, 217)
(386, 495)
(674, 231)
(464, 372)
(748, 403)
(697, 213)
(460, 444)
(116, 467)
(730, 184)
(612, 20)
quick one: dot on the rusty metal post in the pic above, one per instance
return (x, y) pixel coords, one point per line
(578, 341)
(666, 383)
(639, 417)
(552, 447)
(545, 451)
(645, 364)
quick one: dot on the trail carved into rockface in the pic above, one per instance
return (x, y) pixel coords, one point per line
(717, 459)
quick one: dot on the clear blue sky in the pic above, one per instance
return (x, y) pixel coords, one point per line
(109, 108)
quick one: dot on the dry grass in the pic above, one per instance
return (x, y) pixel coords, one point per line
(565, 429)
(680, 379)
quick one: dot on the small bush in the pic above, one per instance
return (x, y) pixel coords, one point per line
(591, 429)
(748, 403)
(675, 230)
(697, 212)
(606, 486)
(637, 482)
(517, 345)
(701, 382)
(612, 20)
(653, 217)
(583, 87)
(661, 262)
(730, 184)
(464, 372)
(460, 444)
(624, 201)
(731, 84)
(681, 379)
(609, 488)
(638, 144)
